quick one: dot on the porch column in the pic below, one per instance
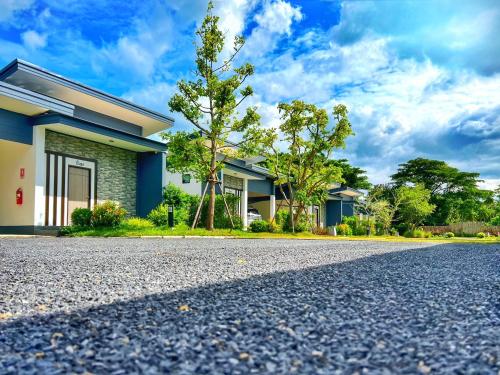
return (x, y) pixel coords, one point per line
(39, 198)
(272, 207)
(244, 203)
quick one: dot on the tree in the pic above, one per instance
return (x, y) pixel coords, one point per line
(413, 204)
(309, 138)
(209, 103)
(435, 175)
(353, 177)
(454, 193)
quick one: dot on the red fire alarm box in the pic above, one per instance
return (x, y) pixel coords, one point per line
(19, 196)
(21, 172)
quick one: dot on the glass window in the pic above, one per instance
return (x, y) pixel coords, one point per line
(186, 178)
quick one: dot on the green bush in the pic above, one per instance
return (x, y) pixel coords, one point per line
(393, 232)
(282, 219)
(221, 218)
(417, 233)
(344, 230)
(480, 235)
(274, 227)
(258, 226)
(107, 214)
(360, 227)
(495, 221)
(136, 223)
(81, 217)
(159, 215)
(449, 235)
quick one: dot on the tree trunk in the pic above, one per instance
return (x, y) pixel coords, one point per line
(211, 204)
(212, 182)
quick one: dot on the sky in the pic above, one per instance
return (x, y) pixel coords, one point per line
(420, 78)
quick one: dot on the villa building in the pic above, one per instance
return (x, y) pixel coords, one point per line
(65, 145)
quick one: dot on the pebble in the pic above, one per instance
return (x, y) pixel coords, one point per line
(76, 305)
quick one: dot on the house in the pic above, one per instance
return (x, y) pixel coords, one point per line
(242, 178)
(255, 186)
(65, 145)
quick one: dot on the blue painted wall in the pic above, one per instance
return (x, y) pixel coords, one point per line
(16, 127)
(261, 186)
(149, 182)
(333, 212)
(336, 209)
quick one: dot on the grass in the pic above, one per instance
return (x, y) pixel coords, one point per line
(143, 228)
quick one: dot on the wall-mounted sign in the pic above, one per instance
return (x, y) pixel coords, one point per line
(21, 173)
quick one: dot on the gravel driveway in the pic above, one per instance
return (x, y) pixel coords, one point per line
(247, 306)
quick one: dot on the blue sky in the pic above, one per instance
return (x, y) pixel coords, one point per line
(420, 78)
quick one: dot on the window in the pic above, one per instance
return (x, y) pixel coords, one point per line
(186, 178)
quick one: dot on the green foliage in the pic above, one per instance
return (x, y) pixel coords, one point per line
(393, 232)
(107, 214)
(359, 227)
(282, 218)
(480, 235)
(344, 230)
(417, 233)
(209, 102)
(310, 139)
(81, 217)
(274, 227)
(258, 226)
(159, 215)
(454, 193)
(413, 204)
(181, 202)
(221, 219)
(495, 220)
(449, 235)
(353, 177)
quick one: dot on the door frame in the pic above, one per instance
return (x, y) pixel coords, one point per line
(56, 185)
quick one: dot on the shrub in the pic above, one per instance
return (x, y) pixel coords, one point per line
(359, 227)
(449, 235)
(257, 226)
(221, 219)
(495, 221)
(274, 227)
(136, 223)
(344, 230)
(393, 232)
(159, 215)
(320, 231)
(107, 214)
(282, 218)
(417, 233)
(81, 217)
(480, 235)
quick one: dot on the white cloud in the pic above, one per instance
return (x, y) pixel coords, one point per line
(34, 40)
(8, 8)
(273, 23)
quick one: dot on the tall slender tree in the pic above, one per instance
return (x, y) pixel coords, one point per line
(210, 102)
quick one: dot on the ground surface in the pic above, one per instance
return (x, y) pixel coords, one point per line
(240, 306)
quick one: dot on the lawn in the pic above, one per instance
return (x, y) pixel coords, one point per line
(139, 229)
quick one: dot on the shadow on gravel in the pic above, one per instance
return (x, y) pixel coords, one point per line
(434, 309)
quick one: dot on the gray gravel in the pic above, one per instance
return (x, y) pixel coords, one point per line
(247, 306)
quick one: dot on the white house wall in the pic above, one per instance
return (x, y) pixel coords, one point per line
(194, 187)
